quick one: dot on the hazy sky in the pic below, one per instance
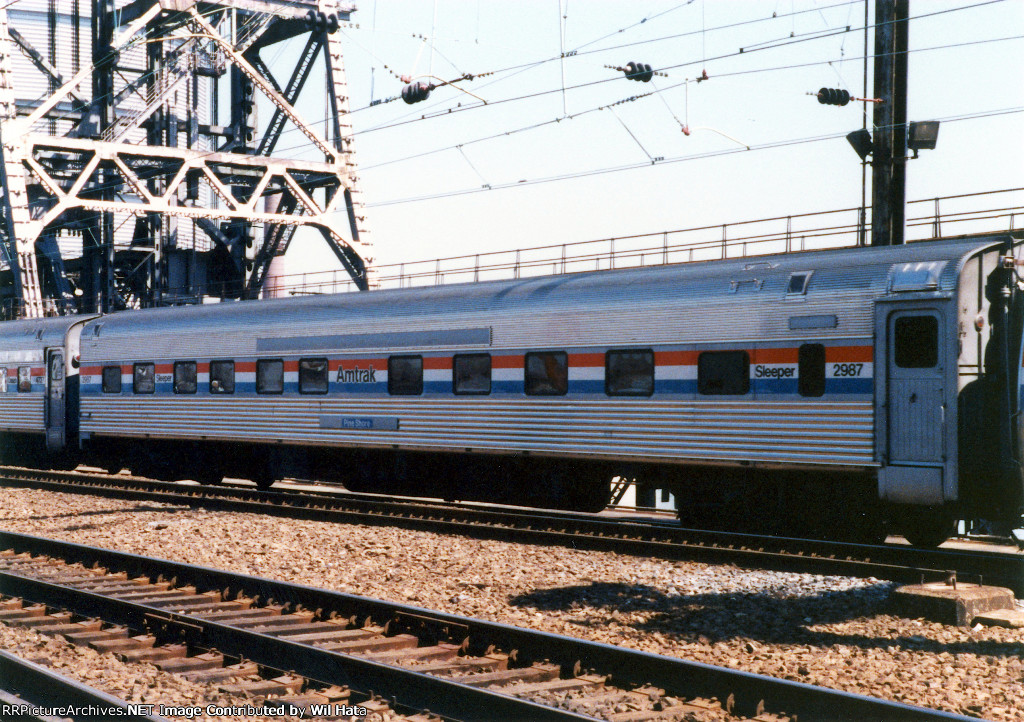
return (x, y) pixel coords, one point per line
(752, 98)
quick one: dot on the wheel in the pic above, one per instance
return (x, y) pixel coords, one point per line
(928, 528)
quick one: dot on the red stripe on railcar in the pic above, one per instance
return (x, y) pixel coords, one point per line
(847, 354)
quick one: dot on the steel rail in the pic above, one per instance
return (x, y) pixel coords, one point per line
(748, 694)
(31, 686)
(902, 564)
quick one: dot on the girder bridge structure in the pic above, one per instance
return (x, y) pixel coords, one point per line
(135, 169)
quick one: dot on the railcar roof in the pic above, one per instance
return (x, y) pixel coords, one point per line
(835, 271)
(35, 333)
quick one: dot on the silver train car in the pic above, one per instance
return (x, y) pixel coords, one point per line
(800, 393)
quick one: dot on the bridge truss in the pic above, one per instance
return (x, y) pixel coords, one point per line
(141, 175)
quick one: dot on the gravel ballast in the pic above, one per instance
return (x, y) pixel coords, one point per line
(829, 631)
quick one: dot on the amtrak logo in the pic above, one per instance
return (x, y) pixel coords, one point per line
(357, 376)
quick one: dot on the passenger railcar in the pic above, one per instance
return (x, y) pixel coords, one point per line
(815, 389)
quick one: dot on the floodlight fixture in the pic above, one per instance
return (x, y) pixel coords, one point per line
(923, 135)
(861, 142)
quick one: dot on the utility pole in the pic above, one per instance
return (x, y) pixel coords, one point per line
(888, 179)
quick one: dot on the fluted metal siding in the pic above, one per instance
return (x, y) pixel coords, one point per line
(21, 411)
(683, 304)
(668, 304)
(835, 434)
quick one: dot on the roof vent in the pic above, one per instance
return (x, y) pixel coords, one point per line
(797, 285)
(923, 276)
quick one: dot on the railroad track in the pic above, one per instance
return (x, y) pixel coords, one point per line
(29, 691)
(287, 644)
(896, 563)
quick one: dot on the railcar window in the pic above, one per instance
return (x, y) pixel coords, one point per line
(222, 377)
(629, 372)
(471, 373)
(405, 375)
(185, 377)
(270, 376)
(723, 373)
(811, 370)
(24, 378)
(917, 342)
(313, 376)
(547, 373)
(144, 378)
(111, 379)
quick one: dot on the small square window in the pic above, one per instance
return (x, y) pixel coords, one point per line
(471, 373)
(222, 377)
(24, 378)
(723, 373)
(111, 379)
(185, 377)
(405, 375)
(144, 378)
(917, 342)
(547, 373)
(313, 376)
(270, 376)
(629, 373)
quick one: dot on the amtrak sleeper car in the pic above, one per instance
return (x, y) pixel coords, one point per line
(798, 393)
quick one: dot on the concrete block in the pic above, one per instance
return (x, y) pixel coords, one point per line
(941, 602)
(1012, 618)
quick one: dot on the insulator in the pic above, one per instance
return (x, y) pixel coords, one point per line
(318, 21)
(639, 71)
(833, 96)
(415, 92)
(332, 24)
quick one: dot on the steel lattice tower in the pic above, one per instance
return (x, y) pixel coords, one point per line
(123, 185)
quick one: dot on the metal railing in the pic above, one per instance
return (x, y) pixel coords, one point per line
(983, 212)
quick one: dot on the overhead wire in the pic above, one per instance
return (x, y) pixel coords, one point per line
(527, 96)
(678, 159)
(735, 73)
(661, 90)
(646, 164)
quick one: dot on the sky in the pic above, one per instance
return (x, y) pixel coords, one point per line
(439, 204)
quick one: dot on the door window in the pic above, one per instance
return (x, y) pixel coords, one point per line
(916, 342)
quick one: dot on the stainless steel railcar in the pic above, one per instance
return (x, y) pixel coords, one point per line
(846, 385)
